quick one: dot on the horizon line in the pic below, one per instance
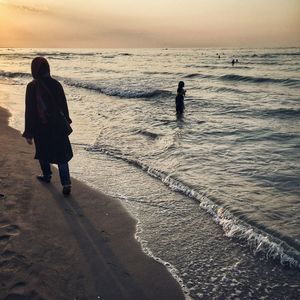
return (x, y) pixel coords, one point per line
(166, 48)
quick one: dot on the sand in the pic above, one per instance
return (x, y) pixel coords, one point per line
(76, 247)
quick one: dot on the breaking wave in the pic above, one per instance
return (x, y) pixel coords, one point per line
(117, 91)
(235, 77)
(198, 75)
(257, 237)
(14, 74)
(109, 91)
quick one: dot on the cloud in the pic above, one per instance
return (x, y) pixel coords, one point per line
(34, 8)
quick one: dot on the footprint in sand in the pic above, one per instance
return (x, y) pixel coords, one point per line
(13, 265)
(7, 230)
(4, 239)
(18, 288)
(33, 295)
(12, 229)
(7, 254)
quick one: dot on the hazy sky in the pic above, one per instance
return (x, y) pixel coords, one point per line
(149, 23)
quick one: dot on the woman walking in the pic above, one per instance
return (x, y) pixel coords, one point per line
(47, 123)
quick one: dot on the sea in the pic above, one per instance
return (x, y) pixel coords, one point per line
(215, 192)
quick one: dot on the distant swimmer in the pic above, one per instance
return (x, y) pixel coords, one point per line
(236, 61)
(180, 98)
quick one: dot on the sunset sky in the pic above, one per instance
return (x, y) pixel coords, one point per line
(149, 23)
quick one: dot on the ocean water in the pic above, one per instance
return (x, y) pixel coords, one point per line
(217, 192)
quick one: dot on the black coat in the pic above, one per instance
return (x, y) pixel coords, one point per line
(51, 143)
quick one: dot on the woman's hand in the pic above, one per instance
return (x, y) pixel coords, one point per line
(29, 141)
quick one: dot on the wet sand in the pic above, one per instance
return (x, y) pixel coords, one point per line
(76, 247)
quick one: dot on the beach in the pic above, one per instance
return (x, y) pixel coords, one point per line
(79, 247)
(212, 196)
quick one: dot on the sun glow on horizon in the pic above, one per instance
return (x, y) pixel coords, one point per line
(165, 23)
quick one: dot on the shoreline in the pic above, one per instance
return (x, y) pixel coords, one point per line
(79, 247)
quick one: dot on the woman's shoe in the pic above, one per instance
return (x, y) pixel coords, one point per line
(43, 178)
(66, 190)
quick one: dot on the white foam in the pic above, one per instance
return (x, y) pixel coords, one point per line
(169, 266)
(259, 241)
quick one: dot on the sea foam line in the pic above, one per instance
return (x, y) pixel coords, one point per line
(260, 241)
(169, 266)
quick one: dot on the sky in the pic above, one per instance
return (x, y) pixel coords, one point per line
(149, 23)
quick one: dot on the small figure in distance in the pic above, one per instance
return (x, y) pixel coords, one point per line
(233, 62)
(180, 99)
(236, 61)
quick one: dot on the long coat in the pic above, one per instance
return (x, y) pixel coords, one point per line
(51, 143)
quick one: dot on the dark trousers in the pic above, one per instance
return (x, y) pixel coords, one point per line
(63, 169)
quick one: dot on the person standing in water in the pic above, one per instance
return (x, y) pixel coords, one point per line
(47, 123)
(180, 98)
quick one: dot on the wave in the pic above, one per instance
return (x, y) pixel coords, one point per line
(229, 90)
(158, 73)
(118, 92)
(114, 55)
(49, 54)
(198, 75)
(66, 55)
(236, 67)
(255, 235)
(125, 54)
(30, 56)
(218, 66)
(274, 54)
(149, 134)
(250, 79)
(235, 77)
(14, 74)
(281, 113)
(42, 53)
(113, 91)
(175, 273)
(109, 56)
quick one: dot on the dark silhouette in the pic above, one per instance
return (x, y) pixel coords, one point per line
(233, 62)
(47, 123)
(180, 98)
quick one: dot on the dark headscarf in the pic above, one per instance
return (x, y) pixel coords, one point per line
(180, 87)
(40, 67)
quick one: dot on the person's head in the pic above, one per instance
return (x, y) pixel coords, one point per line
(181, 84)
(40, 67)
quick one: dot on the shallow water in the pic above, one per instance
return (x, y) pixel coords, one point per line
(231, 165)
